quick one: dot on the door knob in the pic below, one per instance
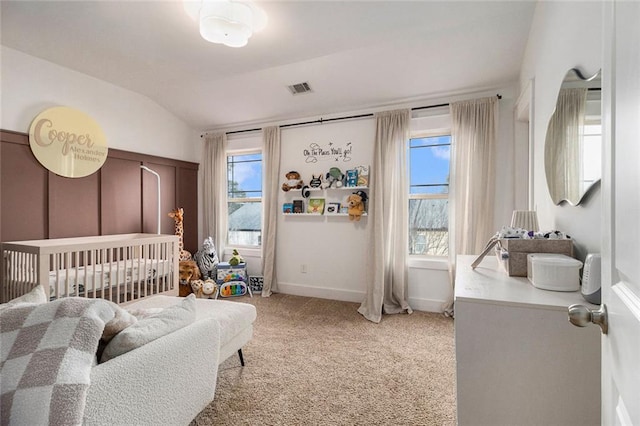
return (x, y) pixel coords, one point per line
(581, 316)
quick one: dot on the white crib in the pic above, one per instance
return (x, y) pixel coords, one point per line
(119, 268)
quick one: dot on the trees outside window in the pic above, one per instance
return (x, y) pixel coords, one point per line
(429, 164)
(244, 197)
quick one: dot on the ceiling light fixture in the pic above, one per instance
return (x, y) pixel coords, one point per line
(229, 22)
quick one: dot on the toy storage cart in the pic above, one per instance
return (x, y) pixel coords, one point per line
(232, 280)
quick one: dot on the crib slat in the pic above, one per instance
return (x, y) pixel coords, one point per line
(102, 260)
(94, 261)
(76, 257)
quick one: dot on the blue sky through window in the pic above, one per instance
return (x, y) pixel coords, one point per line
(429, 164)
(246, 171)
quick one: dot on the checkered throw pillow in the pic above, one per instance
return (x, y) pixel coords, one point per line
(46, 355)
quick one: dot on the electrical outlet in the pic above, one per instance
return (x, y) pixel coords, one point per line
(303, 268)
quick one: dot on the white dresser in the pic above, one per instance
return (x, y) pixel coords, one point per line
(519, 360)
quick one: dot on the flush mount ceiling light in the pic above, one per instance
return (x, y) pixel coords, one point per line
(229, 22)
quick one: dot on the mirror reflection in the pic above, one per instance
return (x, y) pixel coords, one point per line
(573, 144)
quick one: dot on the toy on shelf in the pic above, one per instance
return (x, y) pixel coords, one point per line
(363, 175)
(352, 178)
(315, 206)
(293, 181)
(334, 178)
(356, 205)
(333, 208)
(316, 181)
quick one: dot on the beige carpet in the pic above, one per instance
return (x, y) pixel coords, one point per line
(319, 362)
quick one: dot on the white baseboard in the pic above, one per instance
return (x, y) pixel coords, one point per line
(426, 305)
(321, 292)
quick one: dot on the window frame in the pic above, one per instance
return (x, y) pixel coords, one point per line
(240, 152)
(437, 196)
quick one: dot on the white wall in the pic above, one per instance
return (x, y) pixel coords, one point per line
(334, 250)
(130, 121)
(563, 35)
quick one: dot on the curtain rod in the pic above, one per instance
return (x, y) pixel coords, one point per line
(326, 120)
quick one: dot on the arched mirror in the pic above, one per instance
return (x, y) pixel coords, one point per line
(572, 151)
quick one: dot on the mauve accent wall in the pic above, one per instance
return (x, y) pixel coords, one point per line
(187, 187)
(24, 193)
(119, 198)
(70, 214)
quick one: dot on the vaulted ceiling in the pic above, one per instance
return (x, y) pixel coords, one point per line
(354, 54)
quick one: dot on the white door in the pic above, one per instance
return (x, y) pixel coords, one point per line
(621, 213)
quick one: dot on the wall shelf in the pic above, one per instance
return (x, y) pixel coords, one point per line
(329, 195)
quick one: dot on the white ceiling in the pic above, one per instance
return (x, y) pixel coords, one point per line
(354, 54)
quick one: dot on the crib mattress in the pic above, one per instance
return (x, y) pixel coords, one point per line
(106, 275)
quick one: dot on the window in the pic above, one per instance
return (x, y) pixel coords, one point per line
(429, 195)
(592, 145)
(244, 197)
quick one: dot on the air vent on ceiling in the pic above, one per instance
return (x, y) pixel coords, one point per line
(299, 88)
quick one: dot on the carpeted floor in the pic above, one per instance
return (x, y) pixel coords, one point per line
(319, 362)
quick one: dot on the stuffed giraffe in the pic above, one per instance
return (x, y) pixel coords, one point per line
(178, 215)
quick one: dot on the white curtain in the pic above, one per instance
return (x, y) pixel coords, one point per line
(215, 189)
(473, 133)
(564, 155)
(387, 215)
(270, 209)
(474, 139)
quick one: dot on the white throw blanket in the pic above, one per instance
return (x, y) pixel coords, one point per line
(46, 356)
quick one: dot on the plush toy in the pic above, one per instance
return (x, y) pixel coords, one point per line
(188, 271)
(178, 216)
(209, 289)
(356, 205)
(207, 258)
(293, 181)
(196, 287)
(236, 259)
(316, 181)
(334, 177)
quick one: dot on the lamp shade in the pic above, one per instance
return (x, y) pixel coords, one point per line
(525, 219)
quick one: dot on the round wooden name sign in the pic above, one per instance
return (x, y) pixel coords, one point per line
(68, 142)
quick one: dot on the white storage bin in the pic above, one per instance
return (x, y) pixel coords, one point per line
(550, 271)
